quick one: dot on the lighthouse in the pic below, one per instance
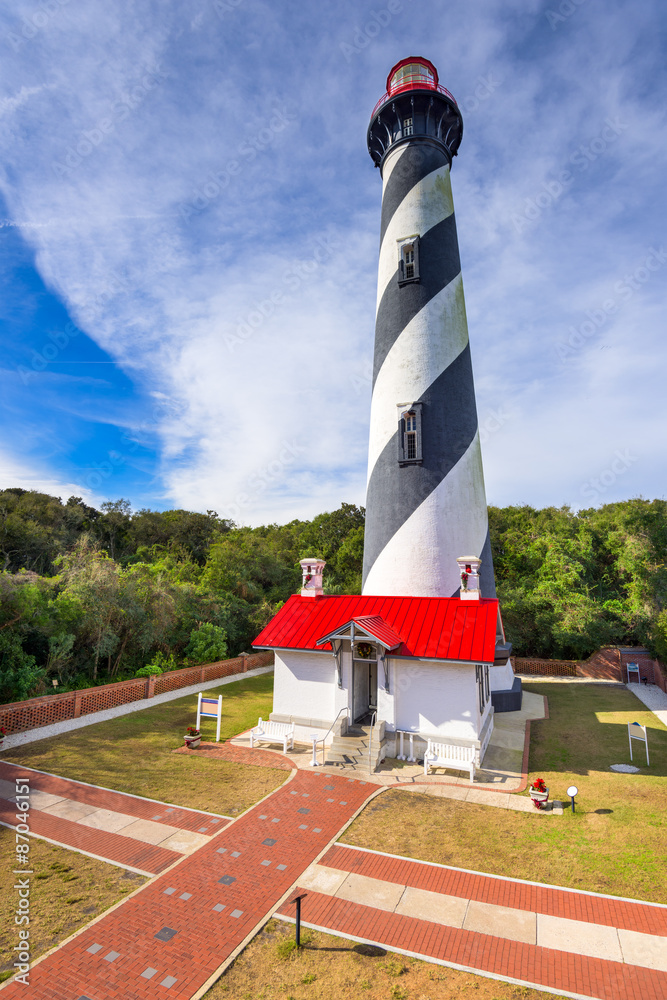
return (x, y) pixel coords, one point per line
(425, 503)
(421, 654)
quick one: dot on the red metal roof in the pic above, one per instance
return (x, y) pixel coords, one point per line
(436, 628)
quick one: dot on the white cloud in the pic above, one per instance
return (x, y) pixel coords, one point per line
(166, 210)
(28, 475)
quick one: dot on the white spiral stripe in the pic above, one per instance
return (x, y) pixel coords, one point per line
(420, 559)
(424, 206)
(431, 341)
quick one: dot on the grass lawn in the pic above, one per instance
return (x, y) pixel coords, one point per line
(614, 842)
(133, 753)
(328, 968)
(67, 891)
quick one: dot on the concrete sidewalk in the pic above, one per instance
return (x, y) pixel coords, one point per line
(653, 697)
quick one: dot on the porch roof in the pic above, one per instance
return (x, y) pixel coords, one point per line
(434, 628)
(373, 626)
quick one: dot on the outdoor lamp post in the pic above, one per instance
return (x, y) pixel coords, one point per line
(298, 917)
(572, 791)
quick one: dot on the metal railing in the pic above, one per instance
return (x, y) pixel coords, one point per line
(411, 86)
(346, 710)
(370, 741)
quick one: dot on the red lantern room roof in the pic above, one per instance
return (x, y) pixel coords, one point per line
(413, 73)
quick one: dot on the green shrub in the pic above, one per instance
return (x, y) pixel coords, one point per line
(150, 670)
(158, 665)
(208, 644)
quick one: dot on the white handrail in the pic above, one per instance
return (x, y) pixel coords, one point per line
(370, 742)
(346, 710)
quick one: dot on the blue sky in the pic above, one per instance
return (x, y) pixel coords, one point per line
(189, 224)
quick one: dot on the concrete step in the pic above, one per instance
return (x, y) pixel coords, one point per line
(352, 754)
(341, 743)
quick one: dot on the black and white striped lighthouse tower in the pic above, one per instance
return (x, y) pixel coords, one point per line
(426, 504)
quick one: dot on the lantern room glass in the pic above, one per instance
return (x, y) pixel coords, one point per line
(412, 74)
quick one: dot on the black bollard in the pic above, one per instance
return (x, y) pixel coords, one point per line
(298, 918)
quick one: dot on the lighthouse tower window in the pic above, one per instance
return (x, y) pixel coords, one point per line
(410, 435)
(407, 127)
(408, 261)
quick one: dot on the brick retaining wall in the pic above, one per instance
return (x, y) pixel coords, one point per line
(606, 664)
(552, 668)
(19, 716)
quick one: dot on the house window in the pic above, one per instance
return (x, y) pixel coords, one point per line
(479, 677)
(408, 260)
(410, 435)
(407, 127)
(487, 687)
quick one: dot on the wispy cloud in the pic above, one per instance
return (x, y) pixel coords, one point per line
(185, 235)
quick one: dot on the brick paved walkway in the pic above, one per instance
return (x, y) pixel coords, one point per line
(172, 935)
(578, 943)
(136, 833)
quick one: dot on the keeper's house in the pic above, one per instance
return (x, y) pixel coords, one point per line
(432, 667)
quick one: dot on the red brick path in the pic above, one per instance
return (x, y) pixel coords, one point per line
(546, 967)
(106, 798)
(502, 892)
(115, 847)
(125, 851)
(179, 928)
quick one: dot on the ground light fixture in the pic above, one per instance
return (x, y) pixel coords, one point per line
(572, 791)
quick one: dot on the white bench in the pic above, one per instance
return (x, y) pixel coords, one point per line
(273, 732)
(453, 757)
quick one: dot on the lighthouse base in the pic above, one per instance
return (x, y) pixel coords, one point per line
(508, 700)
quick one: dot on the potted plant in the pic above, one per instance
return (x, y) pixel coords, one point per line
(539, 793)
(192, 738)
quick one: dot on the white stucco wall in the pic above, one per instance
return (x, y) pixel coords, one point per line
(437, 699)
(304, 684)
(433, 698)
(502, 678)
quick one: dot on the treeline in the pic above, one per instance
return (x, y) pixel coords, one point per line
(88, 596)
(572, 582)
